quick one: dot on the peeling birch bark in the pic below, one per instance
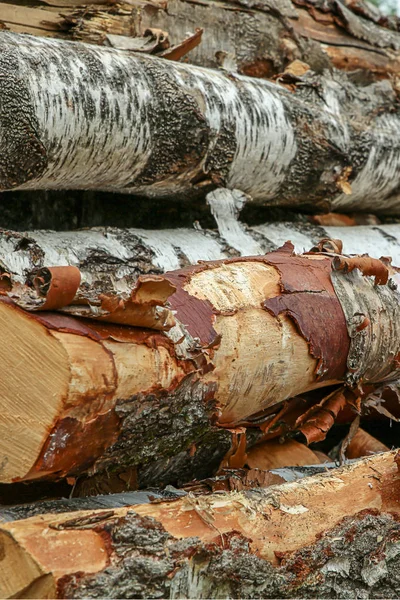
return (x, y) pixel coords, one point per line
(248, 334)
(302, 539)
(109, 260)
(81, 117)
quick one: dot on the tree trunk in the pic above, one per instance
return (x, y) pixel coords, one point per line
(331, 34)
(110, 260)
(244, 335)
(331, 535)
(76, 116)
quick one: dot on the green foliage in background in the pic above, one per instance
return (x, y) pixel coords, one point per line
(388, 7)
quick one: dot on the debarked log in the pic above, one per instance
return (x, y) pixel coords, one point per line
(245, 335)
(84, 117)
(330, 535)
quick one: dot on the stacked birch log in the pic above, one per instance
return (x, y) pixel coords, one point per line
(194, 389)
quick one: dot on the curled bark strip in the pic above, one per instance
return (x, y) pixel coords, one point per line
(100, 118)
(236, 457)
(317, 421)
(56, 286)
(152, 289)
(180, 50)
(327, 245)
(367, 265)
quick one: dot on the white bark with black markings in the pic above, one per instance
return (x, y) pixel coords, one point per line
(111, 259)
(76, 116)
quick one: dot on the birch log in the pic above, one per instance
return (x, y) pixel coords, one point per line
(81, 117)
(258, 38)
(110, 260)
(331, 535)
(245, 335)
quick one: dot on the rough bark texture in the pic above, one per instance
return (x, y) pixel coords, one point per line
(247, 334)
(156, 127)
(347, 35)
(128, 253)
(321, 34)
(294, 540)
(110, 260)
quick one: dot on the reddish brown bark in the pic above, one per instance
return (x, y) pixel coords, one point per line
(241, 346)
(288, 541)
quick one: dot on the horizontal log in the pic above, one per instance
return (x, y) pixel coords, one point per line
(248, 334)
(322, 36)
(110, 260)
(234, 32)
(329, 535)
(162, 128)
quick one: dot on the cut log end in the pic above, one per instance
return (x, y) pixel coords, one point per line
(34, 382)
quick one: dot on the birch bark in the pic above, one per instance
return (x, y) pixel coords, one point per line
(244, 336)
(110, 260)
(81, 117)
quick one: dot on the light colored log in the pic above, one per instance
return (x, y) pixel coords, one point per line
(161, 128)
(248, 334)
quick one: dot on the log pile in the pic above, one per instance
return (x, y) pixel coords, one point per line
(204, 409)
